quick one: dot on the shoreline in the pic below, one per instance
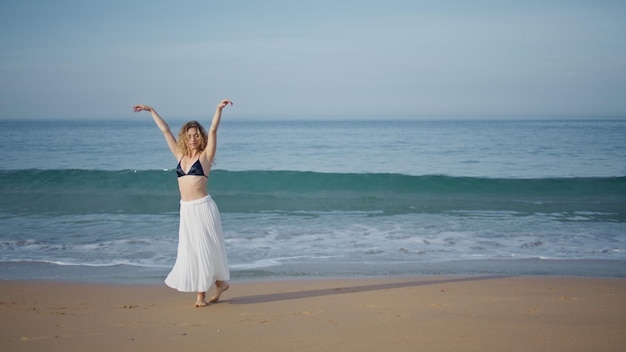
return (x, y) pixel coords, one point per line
(132, 274)
(407, 313)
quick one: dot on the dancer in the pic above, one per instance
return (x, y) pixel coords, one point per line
(201, 258)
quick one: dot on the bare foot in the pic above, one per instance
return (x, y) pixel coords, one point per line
(200, 301)
(219, 289)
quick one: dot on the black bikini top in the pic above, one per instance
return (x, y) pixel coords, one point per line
(195, 170)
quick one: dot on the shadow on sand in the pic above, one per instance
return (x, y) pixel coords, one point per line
(283, 296)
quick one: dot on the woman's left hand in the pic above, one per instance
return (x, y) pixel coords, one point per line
(138, 108)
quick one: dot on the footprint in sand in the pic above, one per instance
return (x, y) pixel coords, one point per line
(26, 338)
(438, 305)
(374, 306)
(306, 312)
(129, 323)
(247, 313)
(128, 306)
(187, 325)
(566, 298)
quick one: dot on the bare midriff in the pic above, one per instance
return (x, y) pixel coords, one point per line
(192, 187)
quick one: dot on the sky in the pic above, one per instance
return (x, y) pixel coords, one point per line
(76, 59)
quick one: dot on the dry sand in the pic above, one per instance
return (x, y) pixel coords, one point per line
(369, 314)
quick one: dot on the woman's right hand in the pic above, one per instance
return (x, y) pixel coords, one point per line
(138, 108)
(224, 103)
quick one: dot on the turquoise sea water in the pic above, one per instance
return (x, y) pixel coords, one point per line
(98, 200)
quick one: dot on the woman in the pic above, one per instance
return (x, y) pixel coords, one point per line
(201, 259)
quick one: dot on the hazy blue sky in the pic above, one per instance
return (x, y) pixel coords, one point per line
(313, 59)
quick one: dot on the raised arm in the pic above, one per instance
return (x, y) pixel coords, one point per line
(209, 152)
(163, 126)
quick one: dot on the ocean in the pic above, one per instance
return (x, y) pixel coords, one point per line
(97, 201)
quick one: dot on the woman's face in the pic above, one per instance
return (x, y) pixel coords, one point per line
(193, 138)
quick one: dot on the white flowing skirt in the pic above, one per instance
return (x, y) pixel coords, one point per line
(201, 257)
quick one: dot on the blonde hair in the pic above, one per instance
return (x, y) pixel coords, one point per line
(182, 136)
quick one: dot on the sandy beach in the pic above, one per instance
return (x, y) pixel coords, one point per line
(365, 314)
